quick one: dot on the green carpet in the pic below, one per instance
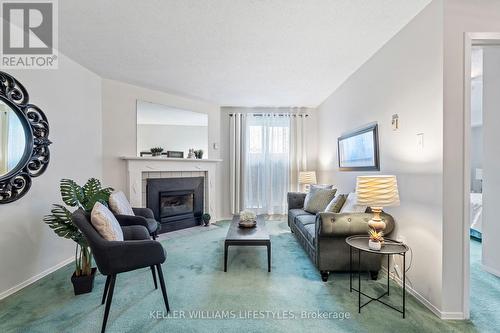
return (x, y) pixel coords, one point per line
(196, 282)
(484, 292)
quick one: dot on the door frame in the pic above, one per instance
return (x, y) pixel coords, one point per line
(470, 39)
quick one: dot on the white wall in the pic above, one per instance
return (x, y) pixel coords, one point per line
(404, 77)
(491, 192)
(172, 137)
(71, 98)
(119, 125)
(460, 17)
(311, 145)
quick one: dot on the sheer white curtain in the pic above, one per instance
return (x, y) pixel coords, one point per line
(266, 178)
(298, 151)
(237, 130)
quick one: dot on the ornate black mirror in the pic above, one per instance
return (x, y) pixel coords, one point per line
(24, 140)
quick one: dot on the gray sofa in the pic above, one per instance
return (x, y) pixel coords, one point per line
(323, 236)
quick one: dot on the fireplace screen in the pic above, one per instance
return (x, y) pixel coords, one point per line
(172, 204)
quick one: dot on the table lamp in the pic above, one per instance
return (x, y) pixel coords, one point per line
(377, 192)
(307, 178)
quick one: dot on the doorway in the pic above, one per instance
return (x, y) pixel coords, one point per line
(483, 118)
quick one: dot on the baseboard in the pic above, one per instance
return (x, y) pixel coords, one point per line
(35, 278)
(452, 315)
(434, 309)
(490, 270)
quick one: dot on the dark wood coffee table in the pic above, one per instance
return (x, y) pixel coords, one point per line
(257, 236)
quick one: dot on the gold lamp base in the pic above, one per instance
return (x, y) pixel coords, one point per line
(376, 223)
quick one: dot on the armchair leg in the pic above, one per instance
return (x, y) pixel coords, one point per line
(106, 287)
(154, 276)
(154, 235)
(108, 302)
(324, 276)
(162, 284)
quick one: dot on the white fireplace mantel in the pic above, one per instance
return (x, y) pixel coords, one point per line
(136, 166)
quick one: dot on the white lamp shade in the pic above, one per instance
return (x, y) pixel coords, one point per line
(377, 191)
(307, 177)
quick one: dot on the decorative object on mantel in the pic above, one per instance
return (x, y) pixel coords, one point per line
(147, 153)
(198, 154)
(248, 219)
(156, 151)
(206, 219)
(376, 239)
(175, 154)
(377, 192)
(191, 153)
(27, 143)
(82, 197)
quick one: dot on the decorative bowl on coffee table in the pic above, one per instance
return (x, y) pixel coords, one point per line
(247, 224)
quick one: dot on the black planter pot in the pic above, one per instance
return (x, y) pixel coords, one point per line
(83, 284)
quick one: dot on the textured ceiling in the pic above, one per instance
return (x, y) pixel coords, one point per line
(232, 52)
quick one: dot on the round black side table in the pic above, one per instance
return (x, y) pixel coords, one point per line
(390, 247)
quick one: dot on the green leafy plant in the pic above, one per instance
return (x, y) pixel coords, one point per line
(60, 220)
(206, 219)
(198, 153)
(376, 236)
(156, 151)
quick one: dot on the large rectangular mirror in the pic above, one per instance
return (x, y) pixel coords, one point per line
(174, 130)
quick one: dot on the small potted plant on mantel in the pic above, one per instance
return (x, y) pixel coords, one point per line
(60, 220)
(376, 239)
(198, 154)
(156, 151)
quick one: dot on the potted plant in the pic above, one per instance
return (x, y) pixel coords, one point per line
(198, 153)
(156, 151)
(206, 219)
(376, 239)
(60, 220)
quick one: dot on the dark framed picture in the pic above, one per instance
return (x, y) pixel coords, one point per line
(176, 154)
(358, 150)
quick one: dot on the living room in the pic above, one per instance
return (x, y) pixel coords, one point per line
(231, 164)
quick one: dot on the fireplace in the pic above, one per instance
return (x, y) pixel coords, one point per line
(177, 203)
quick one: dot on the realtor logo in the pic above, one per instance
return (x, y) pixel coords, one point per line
(29, 34)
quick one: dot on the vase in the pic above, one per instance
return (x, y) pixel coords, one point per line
(376, 246)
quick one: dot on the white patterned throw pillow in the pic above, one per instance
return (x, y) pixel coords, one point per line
(106, 223)
(351, 205)
(317, 200)
(119, 204)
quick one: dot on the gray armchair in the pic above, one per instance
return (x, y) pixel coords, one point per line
(136, 251)
(144, 217)
(323, 236)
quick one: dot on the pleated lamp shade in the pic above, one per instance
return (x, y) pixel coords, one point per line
(307, 177)
(377, 191)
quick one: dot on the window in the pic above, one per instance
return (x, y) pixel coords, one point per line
(267, 163)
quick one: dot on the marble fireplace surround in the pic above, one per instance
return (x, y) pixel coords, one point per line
(139, 169)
